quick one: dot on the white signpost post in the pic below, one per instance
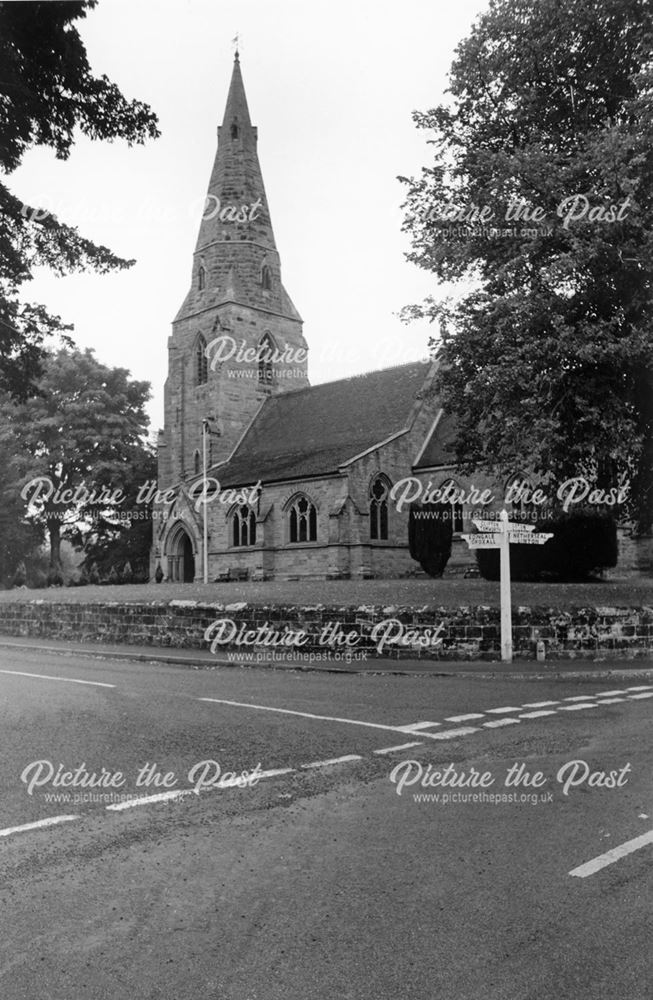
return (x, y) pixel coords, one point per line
(498, 535)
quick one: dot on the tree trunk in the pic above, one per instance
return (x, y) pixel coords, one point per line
(54, 531)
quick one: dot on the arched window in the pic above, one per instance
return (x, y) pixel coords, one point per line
(379, 507)
(456, 508)
(201, 361)
(201, 277)
(197, 462)
(244, 526)
(265, 354)
(266, 277)
(302, 521)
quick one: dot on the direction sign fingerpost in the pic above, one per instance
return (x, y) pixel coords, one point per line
(499, 535)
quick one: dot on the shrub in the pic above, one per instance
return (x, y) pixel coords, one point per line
(113, 577)
(55, 577)
(38, 579)
(582, 545)
(429, 536)
(127, 575)
(94, 575)
(19, 578)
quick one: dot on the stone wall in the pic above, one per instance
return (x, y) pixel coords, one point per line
(438, 634)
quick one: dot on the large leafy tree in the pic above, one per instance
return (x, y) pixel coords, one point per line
(79, 447)
(47, 93)
(540, 194)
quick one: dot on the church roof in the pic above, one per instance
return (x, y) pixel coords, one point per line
(313, 431)
(438, 449)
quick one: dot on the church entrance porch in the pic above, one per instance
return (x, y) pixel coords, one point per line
(181, 559)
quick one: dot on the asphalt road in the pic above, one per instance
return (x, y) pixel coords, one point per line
(343, 876)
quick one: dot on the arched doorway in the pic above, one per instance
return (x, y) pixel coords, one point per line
(181, 560)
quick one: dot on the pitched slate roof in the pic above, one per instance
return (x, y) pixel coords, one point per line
(437, 451)
(312, 431)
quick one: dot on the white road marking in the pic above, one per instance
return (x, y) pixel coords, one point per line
(304, 715)
(46, 677)
(603, 860)
(539, 704)
(607, 694)
(610, 701)
(576, 707)
(334, 760)
(402, 746)
(537, 715)
(580, 697)
(416, 726)
(146, 800)
(501, 722)
(51, 821)
(641, 687)
(648, 694)
(451, 734)
(498, 711)
(465, 718)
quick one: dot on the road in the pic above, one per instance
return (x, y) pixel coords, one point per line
(331, 870)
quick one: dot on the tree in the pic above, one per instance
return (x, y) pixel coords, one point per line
(541, 193)
(79, 443)
(47, 91)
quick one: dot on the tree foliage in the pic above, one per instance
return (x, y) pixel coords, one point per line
(83, 430)
(547, 362)
(47, 93)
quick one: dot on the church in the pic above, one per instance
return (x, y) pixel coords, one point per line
(298, 477)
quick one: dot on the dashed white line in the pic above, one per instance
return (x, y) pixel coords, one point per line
(334, 760)
(500, 722)
(610, 701)
(68, 680)
(402, 746)
(608, 694)
(537, 715)
(451, 734)
(465, 718)
(37, 825)
(539, 704)
(580, 697)
(641, 687)
(499, 711)
(576, 707)
(648, 694)
(603, 860)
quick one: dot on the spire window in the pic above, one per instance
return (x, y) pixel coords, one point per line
(201, 361)
(201, 278)
(266, 277)
(234, 130)
(265, 354)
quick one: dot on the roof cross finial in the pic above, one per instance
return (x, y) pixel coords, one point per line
(235, 41)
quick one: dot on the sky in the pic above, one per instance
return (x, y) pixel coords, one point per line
(332, 87)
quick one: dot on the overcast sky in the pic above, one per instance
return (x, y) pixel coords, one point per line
(331, 86)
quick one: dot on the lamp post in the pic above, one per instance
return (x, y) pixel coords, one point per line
(205, 547)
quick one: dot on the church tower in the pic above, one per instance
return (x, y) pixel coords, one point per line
(237, 338)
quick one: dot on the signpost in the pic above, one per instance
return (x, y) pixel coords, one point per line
(499, 535)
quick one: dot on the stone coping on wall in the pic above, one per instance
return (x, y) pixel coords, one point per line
(337, 632)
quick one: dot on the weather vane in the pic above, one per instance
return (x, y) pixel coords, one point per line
(235, 41)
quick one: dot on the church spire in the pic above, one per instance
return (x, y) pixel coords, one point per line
(236, 207)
